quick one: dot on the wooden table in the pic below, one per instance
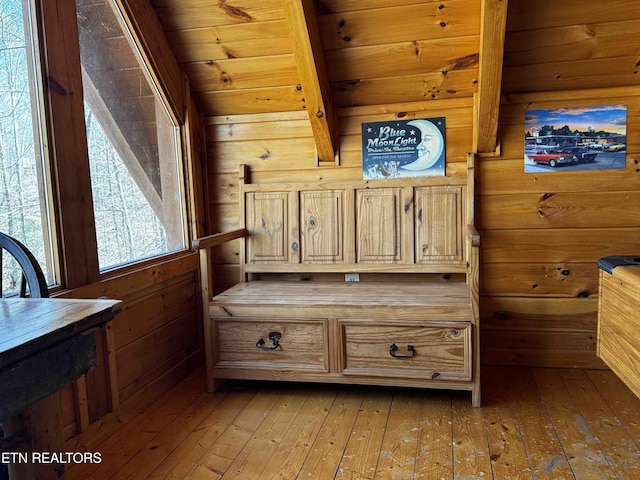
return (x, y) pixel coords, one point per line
(45, 344)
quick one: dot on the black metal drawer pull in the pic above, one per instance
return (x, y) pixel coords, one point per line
(394, 347)
(275, 339)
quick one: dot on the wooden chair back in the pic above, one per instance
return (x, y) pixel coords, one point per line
(31, 273)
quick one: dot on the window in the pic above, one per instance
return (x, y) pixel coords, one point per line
(133, 144)
(24, 206)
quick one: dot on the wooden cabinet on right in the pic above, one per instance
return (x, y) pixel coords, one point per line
(619, 322)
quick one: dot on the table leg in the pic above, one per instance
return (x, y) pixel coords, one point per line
(42, 422)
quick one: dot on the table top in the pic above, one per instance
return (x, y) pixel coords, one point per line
(28, 325)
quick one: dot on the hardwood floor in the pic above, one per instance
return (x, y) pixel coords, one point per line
(534, 424)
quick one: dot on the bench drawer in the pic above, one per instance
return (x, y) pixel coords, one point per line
(437, 351)
(283, 344)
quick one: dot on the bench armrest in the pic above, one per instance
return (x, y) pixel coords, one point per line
(473, 233)
(218, 239)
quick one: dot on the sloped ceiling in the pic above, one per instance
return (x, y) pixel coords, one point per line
(261, 56)
(239, 54)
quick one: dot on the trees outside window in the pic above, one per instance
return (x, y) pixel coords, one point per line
(133, 146)
(24, 206)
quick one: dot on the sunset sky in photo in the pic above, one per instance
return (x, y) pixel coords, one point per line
(609, 118)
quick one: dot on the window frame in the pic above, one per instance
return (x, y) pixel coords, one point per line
(172, 175)
(43, 167)
(70, 177)
(41, 141)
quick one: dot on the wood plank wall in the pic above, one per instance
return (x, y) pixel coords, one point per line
(152, 344)
(542, 234)
(571, 45)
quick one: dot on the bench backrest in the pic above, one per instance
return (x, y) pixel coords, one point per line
(416, 225)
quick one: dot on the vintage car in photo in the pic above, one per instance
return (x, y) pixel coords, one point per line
(583, 154)
(553, 158)
(615, 147)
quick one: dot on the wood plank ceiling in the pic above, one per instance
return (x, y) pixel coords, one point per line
(268, 56)
(273, 56)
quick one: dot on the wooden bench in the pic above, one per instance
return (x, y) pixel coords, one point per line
(410, 318)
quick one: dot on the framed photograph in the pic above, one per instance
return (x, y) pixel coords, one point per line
(575, 138)
(403, 148)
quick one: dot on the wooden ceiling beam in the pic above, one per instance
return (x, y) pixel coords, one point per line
(307, 49)
(493, 20)
(112, 129)
(140, 19)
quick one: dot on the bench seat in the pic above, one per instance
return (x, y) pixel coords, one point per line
(443, 301)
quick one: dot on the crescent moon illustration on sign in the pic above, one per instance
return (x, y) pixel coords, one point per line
(430, 148)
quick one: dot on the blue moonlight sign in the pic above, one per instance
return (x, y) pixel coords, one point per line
(401, 148)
